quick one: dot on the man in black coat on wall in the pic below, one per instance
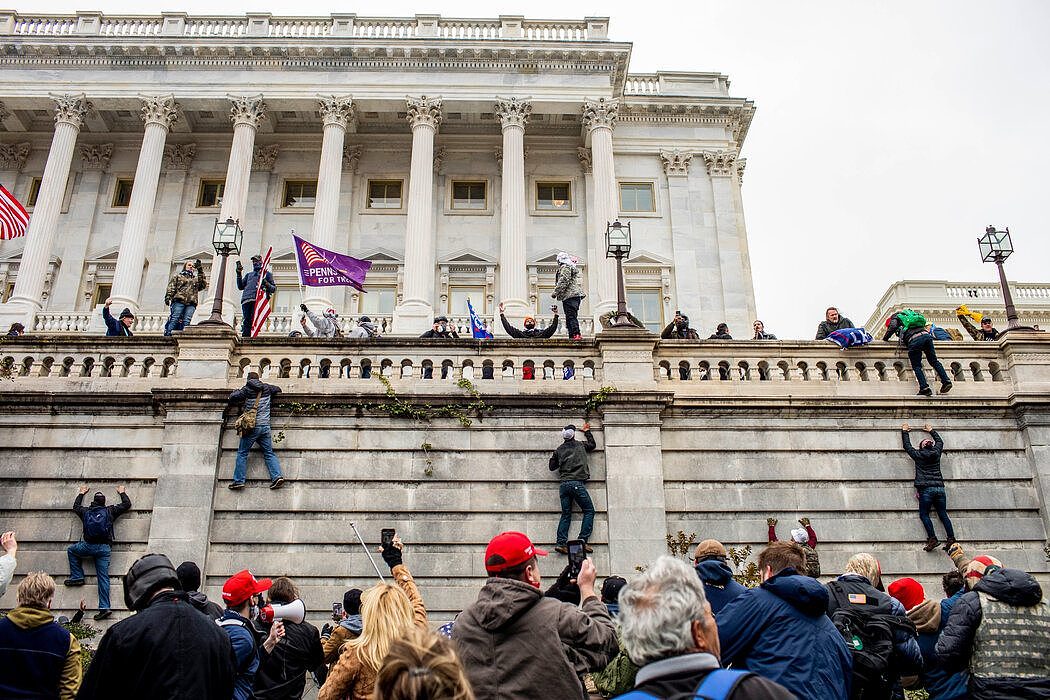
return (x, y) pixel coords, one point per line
(929, 483)
(570, 461)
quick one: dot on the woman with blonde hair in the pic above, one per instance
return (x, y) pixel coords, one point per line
(388, 613)
(422, 666)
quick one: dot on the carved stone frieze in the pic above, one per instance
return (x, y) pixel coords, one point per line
(583, 154)
(513, 112)
(247, 110)
(264, 157)
(676, 162)
(162, 110)
(720, 163)
(13, 156)
(351, 157)
(600, 113)
(424, 111)
(179, 156)
(4, 112)
(336, 110)
(96, 156)
(741, 163)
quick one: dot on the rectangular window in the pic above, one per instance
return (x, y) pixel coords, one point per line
(102, 292)
(457, 300)
(384, 194)
(378, 301)
(646, 306)
(34, 192)
(299, 194)
(468, 195)
(8, 292)
(122, 192)
(637, 196)
(554, 196)
(210, 193)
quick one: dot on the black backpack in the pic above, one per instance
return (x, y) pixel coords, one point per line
(98, 524)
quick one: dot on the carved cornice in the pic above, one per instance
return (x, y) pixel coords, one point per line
(71, 109)
(351, 157)
(179, 156)
(600, 113)
(583, 154)
(163, 110)
(336, 110)
(264, 157)
(247, 110)
(720, 163)
(734, 118)
(424, 111)
(439, 158)
(513, 112)
(741, 163)
(676, 162)
(13, 156)
(96, 156)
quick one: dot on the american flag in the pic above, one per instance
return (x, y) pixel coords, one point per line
(312, 256)
(14, 219)
(262, 300)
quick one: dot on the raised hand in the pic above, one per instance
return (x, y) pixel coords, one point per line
(906, 428)
(501, 309)
(120, 489)
(804, 522)
(928, 428)
(84, 489)
(8, 543)
(771, 522)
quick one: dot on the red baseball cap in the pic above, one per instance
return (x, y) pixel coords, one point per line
(509, 549)
(242, 586)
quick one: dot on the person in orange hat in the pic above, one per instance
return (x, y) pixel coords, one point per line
(530, 330)
(237, 592)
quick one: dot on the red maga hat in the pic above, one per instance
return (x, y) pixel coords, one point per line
(509, 549)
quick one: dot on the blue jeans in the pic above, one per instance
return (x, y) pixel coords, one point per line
(572, 315)
(259, 434)
(934, 497)
(100, 553)
(571, 491)
(917, 347)
(181, 315)
(247, 312)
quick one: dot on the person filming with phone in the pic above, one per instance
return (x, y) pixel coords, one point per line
(570, 461)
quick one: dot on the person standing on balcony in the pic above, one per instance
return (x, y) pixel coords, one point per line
(568, 289)
(118, 326)
(249, 284)
(760, 332)
(911, 327)
(678, 329)
(929, 484)
(530, 330)
(985, 332)
(181, 295)
(364, 329)
(97, 519)
(721, 333)
(441, 329)
(257, 397)
(326, 326)
(833, 321)
(16, 330)
(570, 461)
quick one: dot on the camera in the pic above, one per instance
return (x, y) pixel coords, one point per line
(386, 536)
(577, 554)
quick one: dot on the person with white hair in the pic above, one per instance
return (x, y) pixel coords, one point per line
(669, 631)
(568, 289)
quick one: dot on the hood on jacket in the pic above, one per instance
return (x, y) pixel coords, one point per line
(502, 600)
(1011, 586)
(352, 623)
(255, 384)
(805, 594)
(30, 618)
(926, 616)
(715, 572)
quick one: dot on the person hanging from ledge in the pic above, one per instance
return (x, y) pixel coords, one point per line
(721, 333)
(253, 425)
(833, 321)
(568, 289)
(760, 332)
(967, 317)
(570, 461)
(804, 537)
(118, 326)
(910, 326)
(530, 330)
(325, 326)
(929, 484)
(181, 295)
(678, 329)
(249, 284)
(441, 329)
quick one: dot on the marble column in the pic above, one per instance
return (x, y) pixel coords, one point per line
(158, 113)
(513, 289)
(166, 242)
(337, 114)
(696, 267)
(598, 118)
(70, 111)
(415, 313)
(738, 294)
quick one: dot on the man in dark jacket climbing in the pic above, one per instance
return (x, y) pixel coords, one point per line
(283, 671)
(833, 321)
(98, 519)
(570, 461)
(516, 644)
(781, 631)
(190, 581)
(530, 330)
(929, 484)
(919, 341)
(249, 285)
(720, 586)
(252, 393)
(118, 327)
(1001, 630)
(166, 650)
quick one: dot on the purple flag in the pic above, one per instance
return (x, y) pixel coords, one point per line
(325, 268)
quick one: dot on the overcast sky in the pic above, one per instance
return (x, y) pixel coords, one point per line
(887, 134)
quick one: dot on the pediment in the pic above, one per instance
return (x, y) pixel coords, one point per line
(380, 255)
(202, 254)
(108, 255)
(550, 257)
(467, 256)
(643, 257)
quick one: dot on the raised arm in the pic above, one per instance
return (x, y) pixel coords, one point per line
(202, 281)
(906, 440)
(124, 506)
(511, 330)
(964, 319)
(78, 503)
(668, 331)
(550, 330)
(938, 444)
(589, 443)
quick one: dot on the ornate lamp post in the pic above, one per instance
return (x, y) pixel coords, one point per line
(227, 241)
(618, 245)
(996, 246)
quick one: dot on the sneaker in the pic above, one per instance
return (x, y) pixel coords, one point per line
(577, 337)
(931, 544)
(945, 388)
(102, 614)
(236, 486)
(561, 549)
(587, 548)
(73, 582)
(925, 392)
(277, 483)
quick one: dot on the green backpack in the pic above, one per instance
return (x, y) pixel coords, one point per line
(911, 319)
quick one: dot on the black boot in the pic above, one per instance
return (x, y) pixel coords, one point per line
(926, 391)
(931, 544)
(945, 387)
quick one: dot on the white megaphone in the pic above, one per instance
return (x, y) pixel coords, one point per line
(293, 612)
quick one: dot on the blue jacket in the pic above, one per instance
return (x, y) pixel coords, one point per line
(250, 283)
(114, 326)
(245, 649)
(247, 394)
(719, 584)
(781, 632)
(940, 683)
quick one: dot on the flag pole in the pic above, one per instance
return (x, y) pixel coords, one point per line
(298, 272)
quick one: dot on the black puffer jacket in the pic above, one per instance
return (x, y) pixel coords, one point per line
(283, 672)
(927, 461)
(955, 645)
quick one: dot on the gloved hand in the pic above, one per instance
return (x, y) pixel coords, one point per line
(771, 522)
(302, 307)
(167, 301)
(804, 522)
(392, 556)
(955, 550)
(326, 631)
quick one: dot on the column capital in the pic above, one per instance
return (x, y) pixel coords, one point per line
(720, 163)
(71, 109)
(676, 162)
(13, 156)
(424, 111)
(351, 157)
(600, 113)
(439, 158)
(96, 156)
(513, 112)
(247, 110)
(263, 157)
(583, 154)
(336, 110)
(179, 156)
(741, 163)
(163, 110)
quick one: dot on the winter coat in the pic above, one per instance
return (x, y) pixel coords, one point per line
(449, 332)
(38, 657)
(347, 629)
(927, 461)
(324, 326)
(530, 332)
(895, 327)
(719, 584)
(930, 617)
(679, 332)
(349, 677)
(283, 672)
(245, 645)
(183, 287)
(8, 562)
(250, 284)
(826, 327)
(168, 650)
(115, 511)
(719, 336)
(570, 459)
(811, 566)
(764, 336)
(568, 284)
(975, 332)
(781, 631)
(200, 602)
(679, 676)
(247, 394)
(1030, 640)
(363, 329)
(516, 644)
(114, 326)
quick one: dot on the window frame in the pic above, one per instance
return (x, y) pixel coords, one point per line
(97, 297)
(482, 294)
(392, 288)
(386, 211)
(534, 195)
(221, 181)
(450, 208)
(655, 290)
(117, 182)
(33, 193)
(651, 184)
(282, 195)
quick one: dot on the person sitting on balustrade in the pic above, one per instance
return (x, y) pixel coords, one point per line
(530, 330)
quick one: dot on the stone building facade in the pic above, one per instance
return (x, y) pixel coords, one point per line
(457, 155)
